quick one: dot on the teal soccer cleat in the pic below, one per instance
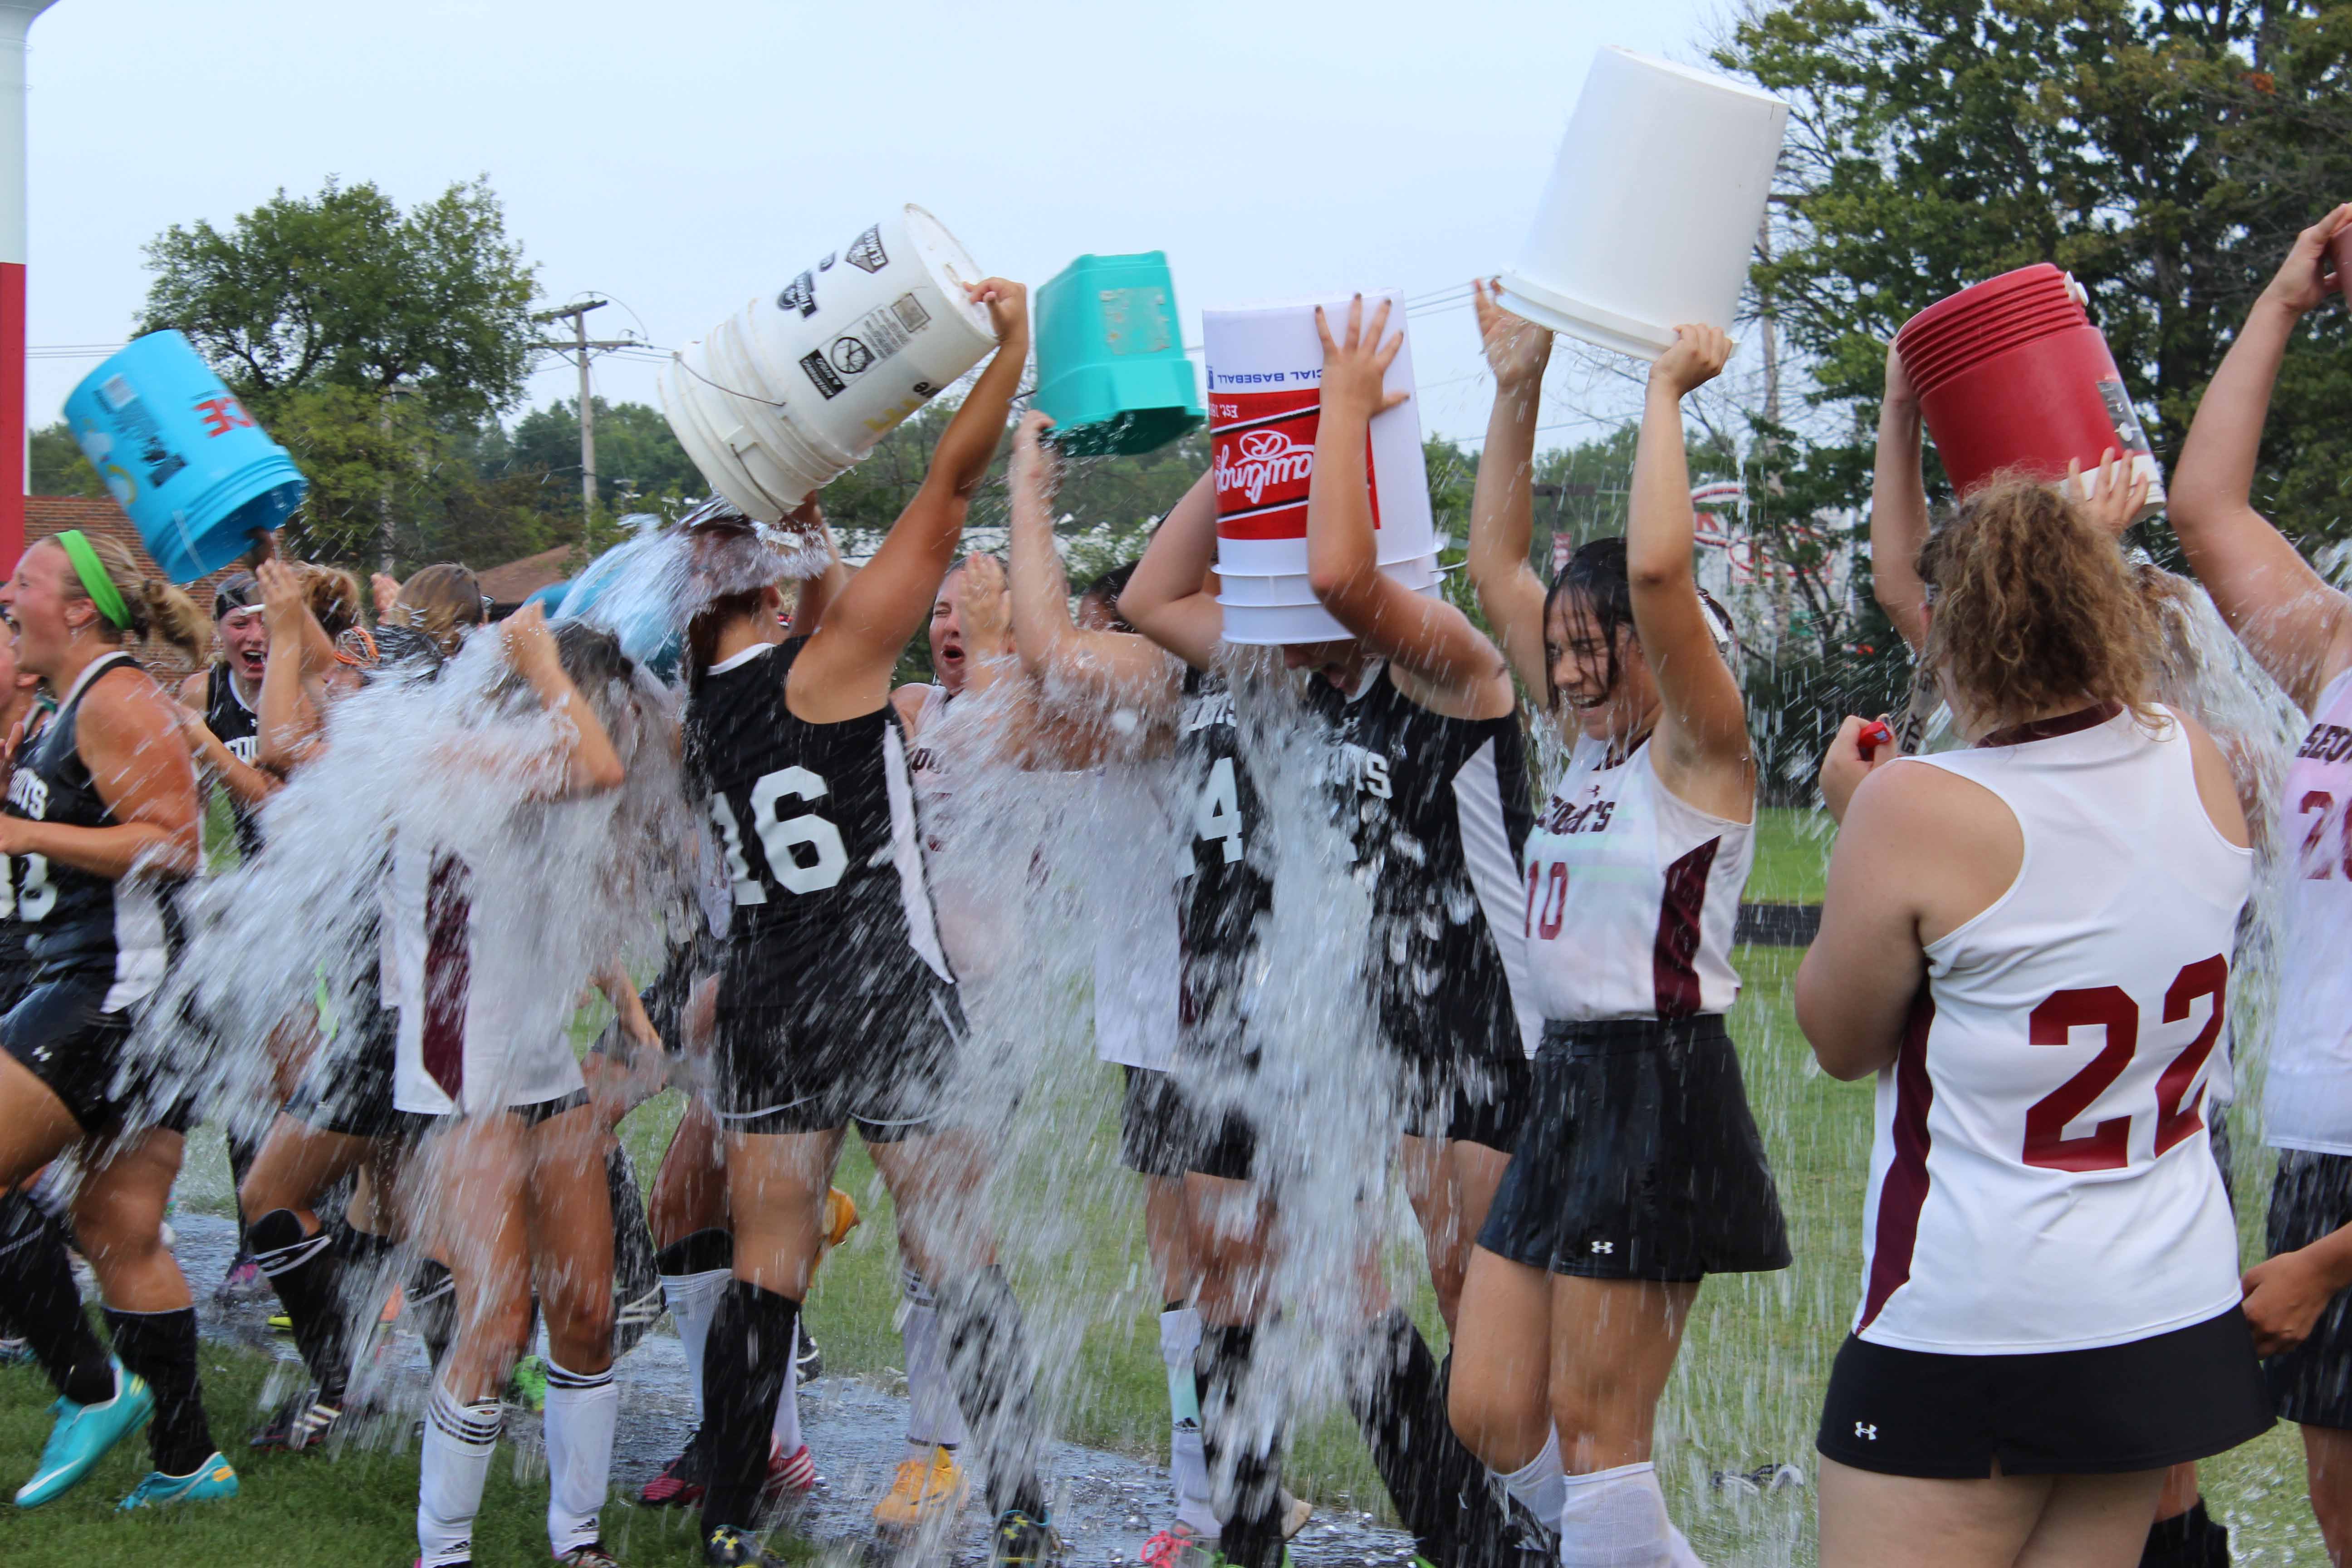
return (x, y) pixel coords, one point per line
(208, 1482)
(82, 1436)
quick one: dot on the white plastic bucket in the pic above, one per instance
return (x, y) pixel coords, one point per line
(1265, 625)
(1243, 588)
(1652, 206)
(1266, 376)
(785, 396)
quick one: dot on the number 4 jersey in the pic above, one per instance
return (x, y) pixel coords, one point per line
(833, 920)
(2041, 1179)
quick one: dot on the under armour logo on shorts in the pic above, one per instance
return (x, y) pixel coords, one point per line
(1865, 1430)
(1604, 1246)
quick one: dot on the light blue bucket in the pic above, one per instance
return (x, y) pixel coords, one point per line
(1111, 366)
(181, 455)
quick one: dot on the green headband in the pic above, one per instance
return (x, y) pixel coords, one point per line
(94, 580)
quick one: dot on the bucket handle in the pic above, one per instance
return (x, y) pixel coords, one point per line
(679, 357)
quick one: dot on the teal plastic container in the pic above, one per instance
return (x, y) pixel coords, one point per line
(1111, 368)
(182, 456)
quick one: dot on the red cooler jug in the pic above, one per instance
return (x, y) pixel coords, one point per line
(2013, 376)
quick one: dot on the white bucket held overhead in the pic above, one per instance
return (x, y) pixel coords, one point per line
(1266, 390)
(787, 394)
(1652, 207)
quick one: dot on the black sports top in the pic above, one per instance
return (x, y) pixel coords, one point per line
(238, 729)
(76, 923)
(1224, 893)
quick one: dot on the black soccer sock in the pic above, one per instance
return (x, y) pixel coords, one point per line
(1244, 1459)
(995, 1383)
(160, 1347)
(242, 1153)
(2190, 1539)
(753, 1337)
(307, 1272)
(43, 1307)
(1440, 1489)
(432, 1298)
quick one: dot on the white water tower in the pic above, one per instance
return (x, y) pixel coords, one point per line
(15, 22)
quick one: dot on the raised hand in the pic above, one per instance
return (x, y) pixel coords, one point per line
(1033, 467)
(529, 646)
(2121, 495)
(387, 594)
(1354, 365)
(1007, 303)
(2304, 282)
(1698, 357)
(985, 610)
(1516, 349)
(1900, 393)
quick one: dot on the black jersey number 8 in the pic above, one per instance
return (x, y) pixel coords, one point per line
(36, 897)
(782, 838)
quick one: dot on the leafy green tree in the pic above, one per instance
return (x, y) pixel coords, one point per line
(640, 466)
(58, 467)
(344, 288)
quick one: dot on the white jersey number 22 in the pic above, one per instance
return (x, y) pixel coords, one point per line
(781, 837)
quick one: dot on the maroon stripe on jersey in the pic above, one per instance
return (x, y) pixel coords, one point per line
(1905, 1192)
(1673, 968)
(448, 972)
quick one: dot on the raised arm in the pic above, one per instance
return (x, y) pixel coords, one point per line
(1076, 666)
(1705, 755)
(2293, 624)
(817, 592)
(1166, 599)
(1454, 669)
(845, 669)
(1898, 509)
(291, 719)
(586, 762)
(1502, 507)
(1854, 990)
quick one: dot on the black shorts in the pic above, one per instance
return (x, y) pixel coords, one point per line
(82, 1054)
(1484, 1102)
(2310, 1196)
(1165, 1131)
(884, 1067)
(1638, 1159)
(2145, 1405)
(347, 1089)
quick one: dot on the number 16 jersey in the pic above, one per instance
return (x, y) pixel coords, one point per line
(2041, 1178)
(832, 919)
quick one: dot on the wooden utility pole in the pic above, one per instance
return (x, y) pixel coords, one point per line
(580, 348)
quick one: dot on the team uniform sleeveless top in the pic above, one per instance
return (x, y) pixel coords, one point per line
(1437, 814)
(1223, 893)
(238, 729)
(2308, 1100)
(2041, 1178)
(1631, 895)
(77, 924)
(973, 920)
(816, 824)
(1137, 948)
(476, 1033)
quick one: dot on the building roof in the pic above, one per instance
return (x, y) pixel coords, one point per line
(46, 515)
(518, 580)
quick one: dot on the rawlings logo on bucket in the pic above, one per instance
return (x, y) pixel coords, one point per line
(1264, 445)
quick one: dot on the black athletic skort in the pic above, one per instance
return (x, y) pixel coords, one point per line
(864, 1048)
(59, 1029)
(2310, 1196)
(1638, 1159)
(2143, 1406)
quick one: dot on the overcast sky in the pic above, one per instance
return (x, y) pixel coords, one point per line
(681, 157)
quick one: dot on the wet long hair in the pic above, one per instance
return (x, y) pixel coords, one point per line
(2031, 604)
(1598, 575)
(443, 602)
(728, 564)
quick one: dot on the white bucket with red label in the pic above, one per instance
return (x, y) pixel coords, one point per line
(1266, 379)
(787, 394)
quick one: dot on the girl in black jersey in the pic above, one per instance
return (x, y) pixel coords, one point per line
(836, 1003)
(101, 822)
(1430, 781)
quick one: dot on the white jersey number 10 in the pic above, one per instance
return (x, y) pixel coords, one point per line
(781, 837)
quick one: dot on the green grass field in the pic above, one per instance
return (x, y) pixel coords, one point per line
(1746, 1392)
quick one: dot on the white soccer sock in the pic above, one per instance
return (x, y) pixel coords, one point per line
(1617, 1519)
(933, 1417)
(583, 1408)
(1187, 1461)
(459, 1442)
(1539, 1486)
(788, 1410)
(693, 1299)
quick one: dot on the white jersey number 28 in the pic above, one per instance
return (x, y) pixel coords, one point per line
(781, 837)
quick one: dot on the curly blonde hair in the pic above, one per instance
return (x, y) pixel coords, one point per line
(2033, 606)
